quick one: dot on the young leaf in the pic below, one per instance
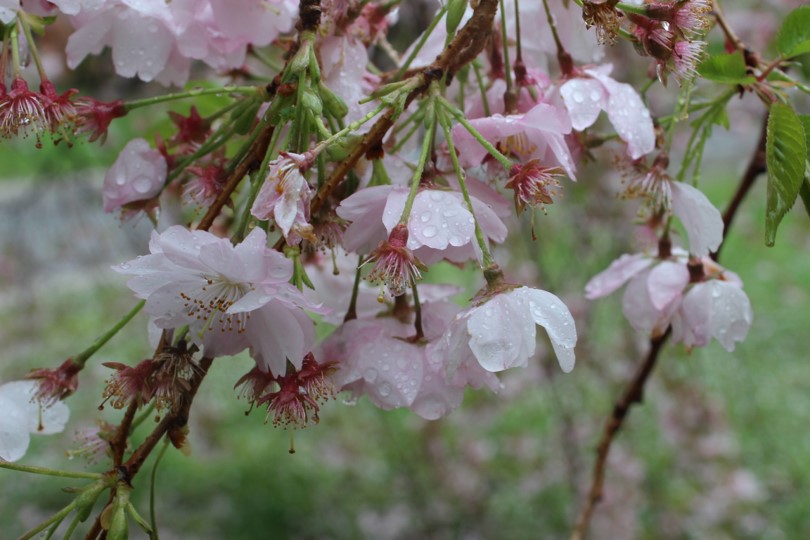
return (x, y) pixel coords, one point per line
(804, 192)
(786, 153)
(726, 69)
(794, 36)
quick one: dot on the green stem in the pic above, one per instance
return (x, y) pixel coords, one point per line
(401, 71)
(59, 516)
(505, 162)
(507, 67)
(351, 313)
(71, 528)
(153, 480)
(15, 52)
(147, 412)
(48, 472)
(83, 356)
(487, 259)
(480, 79)
(348, 129)
(427, 145)
(32, 47)
(247, 90)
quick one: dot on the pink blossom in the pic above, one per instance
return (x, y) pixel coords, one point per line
(378, 358)
(394, 263)
(653, 292)
(500, 333)
(24, 415)
(585, 97)
(708, 304)
(716, 308)
(440, 224)
(137, 175)
(285, 194)
(537, 134)
(232, 297)
(702, 221)
(343, 66)
(375, 359)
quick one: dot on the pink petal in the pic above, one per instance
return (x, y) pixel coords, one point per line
(584, 99)
(552, 314)
(439, 219)
(666, 282)
(616, 275)
(702, 221)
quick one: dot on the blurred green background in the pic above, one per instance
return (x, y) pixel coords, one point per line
(720, 448)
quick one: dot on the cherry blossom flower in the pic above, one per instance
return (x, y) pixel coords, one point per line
(24, 415)
(586, 96)
(394, 263)
(499, 333)
(440, 224)
(533, 184)
(659, 293)
(285, 194)
(232, 297)
(137, 175)
(653, 293)
(94, 117)
(21, 111)
(716, 307)
(377, 357)
(537, 134)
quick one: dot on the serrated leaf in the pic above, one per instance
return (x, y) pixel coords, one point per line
(805, 120)
(786, 153)
(794, 36)
(726, 69)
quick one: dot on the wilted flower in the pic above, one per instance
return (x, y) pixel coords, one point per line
(285, 194)
(533, 184)
(395, 265)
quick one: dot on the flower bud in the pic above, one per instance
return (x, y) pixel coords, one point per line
(87, 499)
(455, 12)
(311, 101)
(332, 102)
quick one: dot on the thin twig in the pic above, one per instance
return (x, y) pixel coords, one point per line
(634, 392)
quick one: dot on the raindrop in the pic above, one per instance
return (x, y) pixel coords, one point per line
(578, 96)
(430, 231)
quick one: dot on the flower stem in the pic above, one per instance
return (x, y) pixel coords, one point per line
(59, 516)
(480, 80)
(48, 472)
(146, 102)
(348, 129)
(505, 162)
(510, 100)
(26, 28)
(83, 356)
(487, 259)
(427, 145)
(411, 57)
(152, 482)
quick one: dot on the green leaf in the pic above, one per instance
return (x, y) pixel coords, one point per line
(805, 120)
(794, 36)
(726, 69)
(786, 154)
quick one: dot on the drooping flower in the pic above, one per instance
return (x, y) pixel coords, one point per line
(697, 297)
(23, 414)
(60, 112)
(299, 395)
(603, 15)
(130, 383)
(533, 184)
(232, 297)
(56, 384)
(586, 96)
(537, 134)
(395, 265)
(206, 184)
(138, 174)
(21, 111)
(94, 117)
(499, 333)
(440, 225)
(285, 194)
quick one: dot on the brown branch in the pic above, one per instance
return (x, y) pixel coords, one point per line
(175, 420)
(634, 392)
(252, 158)
(732, 37)
(119, 442)
(756, 166)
